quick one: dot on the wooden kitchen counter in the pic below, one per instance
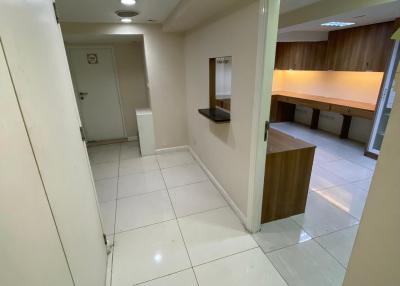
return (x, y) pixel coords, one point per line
(283, 105)
(287, 176)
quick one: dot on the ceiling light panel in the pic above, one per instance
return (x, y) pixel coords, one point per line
(128, 2)
(337, 24)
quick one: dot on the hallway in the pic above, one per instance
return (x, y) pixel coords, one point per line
(171, 226)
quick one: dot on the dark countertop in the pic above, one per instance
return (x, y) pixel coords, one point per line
(215, 114)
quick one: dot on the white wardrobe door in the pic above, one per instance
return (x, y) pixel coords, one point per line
(30, 248)
(38, 64)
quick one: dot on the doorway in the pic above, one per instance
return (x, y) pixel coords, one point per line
(97, 93)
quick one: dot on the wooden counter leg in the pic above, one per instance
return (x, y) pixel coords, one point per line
(315, 118)
(344, 133)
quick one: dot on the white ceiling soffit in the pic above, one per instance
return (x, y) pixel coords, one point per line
(190, 14)
(291, 5)
(103, 11)
(362, 16)
(101, 39)
(326, 9)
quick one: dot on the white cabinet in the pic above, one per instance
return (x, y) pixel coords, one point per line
(145, 123)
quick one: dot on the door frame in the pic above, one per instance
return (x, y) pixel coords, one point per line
(267, 38)
(383, 95)
(115, 71)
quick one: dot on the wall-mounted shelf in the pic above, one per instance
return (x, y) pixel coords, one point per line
(215, 114)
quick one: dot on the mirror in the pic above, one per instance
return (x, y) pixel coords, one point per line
(221, 83)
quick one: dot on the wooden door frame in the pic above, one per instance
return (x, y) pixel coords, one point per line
(115, 71)
(267, 38)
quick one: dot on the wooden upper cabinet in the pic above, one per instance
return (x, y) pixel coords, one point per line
(301, 55)
(365, 48)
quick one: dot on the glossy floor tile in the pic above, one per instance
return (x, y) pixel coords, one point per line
(195, 198)
(349, 198)
(105, 170)
(104, 147)
(322, 178)
(183, 175)
(321, 217)
(307, 264)
(138, 165)
(214, 234)
(182, 278)
(104, 156)
(322, 156)
(279, 234)
(129, 150)
(106, 189)
(364, 184)
(147, 253)
(249, 268)
(348, 171)
(171, 159)
(152, 249)
(340, 244)
(142, 210)
(140, 183)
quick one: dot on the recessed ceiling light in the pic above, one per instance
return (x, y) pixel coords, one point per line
(126, 20)
(337, 24)
(128, 2)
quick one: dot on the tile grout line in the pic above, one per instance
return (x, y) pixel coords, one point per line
(331, 232)
(179, 227)
(163, 276)
(330, 254)
(115, 218)
(172, 219)
(333, 205)
(229, 255)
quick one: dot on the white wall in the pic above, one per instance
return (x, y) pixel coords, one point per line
(165, 68)
(224, 148)
(375, 258)
(131, 72)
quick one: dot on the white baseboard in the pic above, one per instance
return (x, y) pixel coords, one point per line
(172, 149)
(219, 187)
(133, 138)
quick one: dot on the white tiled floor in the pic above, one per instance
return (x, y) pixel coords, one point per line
(172, 227)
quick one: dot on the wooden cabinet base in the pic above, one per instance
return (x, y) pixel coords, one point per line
(287, 178)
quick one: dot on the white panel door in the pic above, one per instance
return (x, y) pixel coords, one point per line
(35, 51)
(30, 248)
(93, 70)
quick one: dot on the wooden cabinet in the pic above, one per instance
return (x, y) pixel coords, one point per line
(301, 55)
(365, 48)
(287, 176)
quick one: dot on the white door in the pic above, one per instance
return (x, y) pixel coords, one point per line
(38, 65)
(25, 212)
(93, 70)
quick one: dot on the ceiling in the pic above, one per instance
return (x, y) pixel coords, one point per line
(291, 5)
(177, 15)
(363, 16)
(101, 39)
(103, 11)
